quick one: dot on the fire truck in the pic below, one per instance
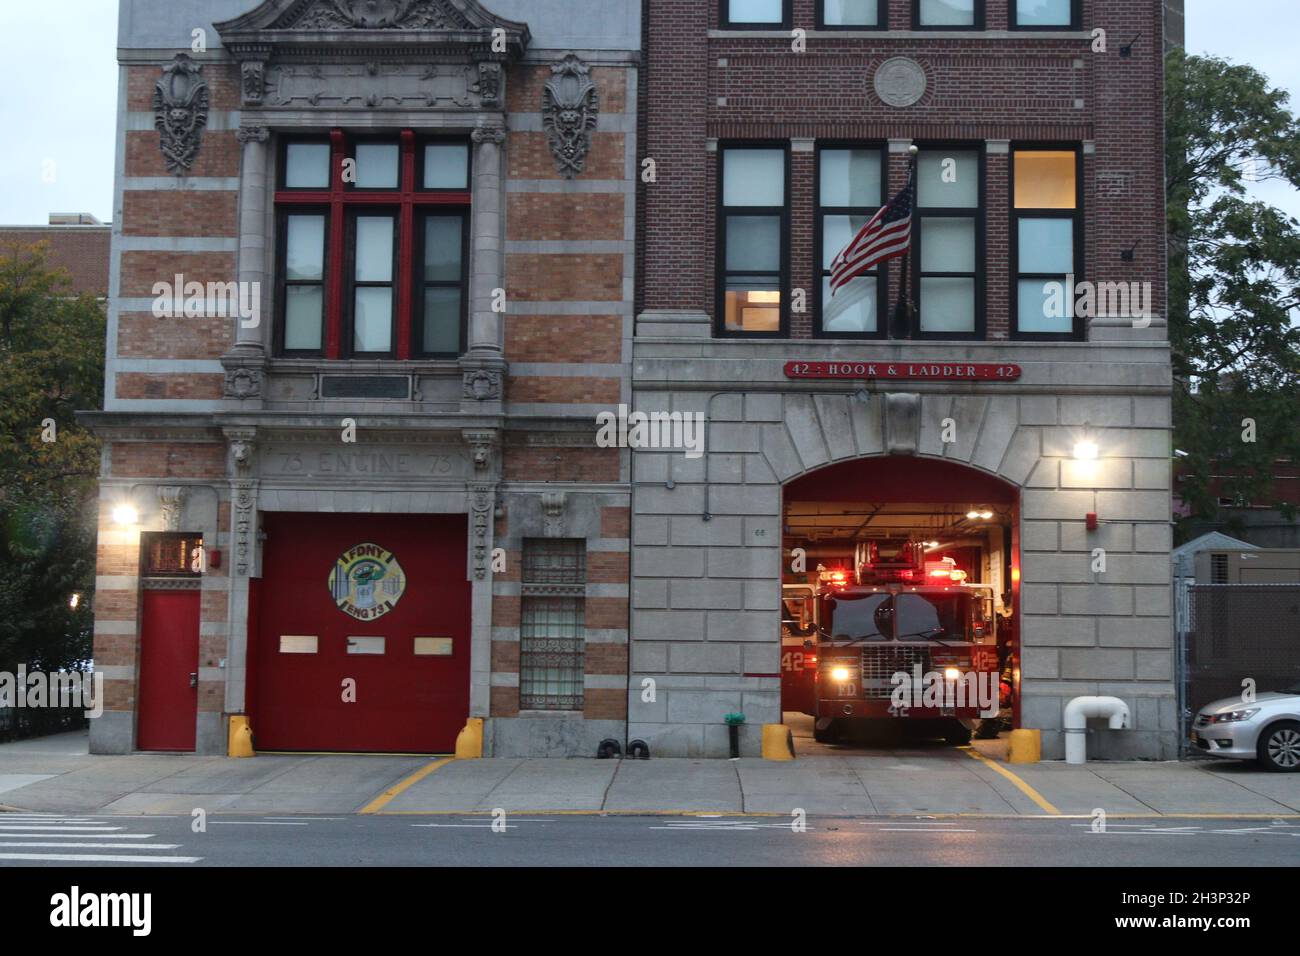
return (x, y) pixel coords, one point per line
(904, 639)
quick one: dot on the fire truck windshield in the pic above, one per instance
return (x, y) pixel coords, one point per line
(909, 616)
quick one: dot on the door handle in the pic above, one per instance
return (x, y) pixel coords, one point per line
(194, 680)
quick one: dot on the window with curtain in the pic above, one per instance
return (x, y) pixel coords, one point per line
(1045, 14)
(857, 14)
(948, 14)
(1045, 239)
(947, 284)
(755, 13)
(752, 244)
(371, 241)
(551, 628)
(849, 193)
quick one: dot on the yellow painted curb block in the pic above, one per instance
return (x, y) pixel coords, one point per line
(778, 742)
(241, 737)
(1026, 746)
(469, 742)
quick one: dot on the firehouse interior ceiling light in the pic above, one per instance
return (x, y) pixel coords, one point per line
(1085, 451)
(125, 515)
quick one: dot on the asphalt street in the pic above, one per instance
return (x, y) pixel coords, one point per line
(593, 840)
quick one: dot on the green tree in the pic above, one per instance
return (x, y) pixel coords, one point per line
(1234, 279)
(51, 365)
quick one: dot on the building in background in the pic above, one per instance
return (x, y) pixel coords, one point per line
(78, 242)
(372, 279)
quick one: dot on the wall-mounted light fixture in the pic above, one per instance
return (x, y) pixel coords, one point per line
(1085, 450)
(125, 514)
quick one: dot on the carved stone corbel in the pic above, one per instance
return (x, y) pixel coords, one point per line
(252, 134)
(243, 382)
(553, 513)
(243, 489)
(570, 106)
(483, 384)
(482, 446)
(489, 84)
(488, 133)
(180, 108)
(171, 505)
(481, 506)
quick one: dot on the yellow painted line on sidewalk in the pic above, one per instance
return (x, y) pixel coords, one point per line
(385, 798)
(1021, 785)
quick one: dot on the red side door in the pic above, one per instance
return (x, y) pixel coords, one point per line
(330, 681)
(169, 667)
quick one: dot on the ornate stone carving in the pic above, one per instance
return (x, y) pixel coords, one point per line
(180, 108)
(900, 81)
(489, 84)
(252, 134)
(902, 422)
(483, 384)
(373, 86)
(243, 496)
(243, 382)
(171, 503)
(553, 513)
(483, 133)
(482, 445)
(252, 82)
(481, 500)
(377, 15)
(569, 109)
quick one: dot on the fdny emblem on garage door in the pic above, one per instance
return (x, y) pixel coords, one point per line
(367, 582)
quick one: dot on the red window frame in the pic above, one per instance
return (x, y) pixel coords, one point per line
(341, 199)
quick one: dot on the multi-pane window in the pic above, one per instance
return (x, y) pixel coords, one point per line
(372, 240)
(859, 14)
(755, 13)
(1045, 240)
(551, 624)
(949, 227)
(849, 193)
(1044, 14)
(948, 14)
(752, 240)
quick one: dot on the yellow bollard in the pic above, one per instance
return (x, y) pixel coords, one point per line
(778, 742)
(469, 742)
(241, 737)
(1026, 746)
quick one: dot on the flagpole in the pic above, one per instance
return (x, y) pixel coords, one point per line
(904, 311)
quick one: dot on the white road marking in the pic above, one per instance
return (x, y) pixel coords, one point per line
(464, 826)
(45, 835)
(252, 823)
(101, 846)
(98, 858)
(920, 830)
(59, 827)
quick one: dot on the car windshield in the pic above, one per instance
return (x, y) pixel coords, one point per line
(909, 616)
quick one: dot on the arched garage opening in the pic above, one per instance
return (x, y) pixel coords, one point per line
(899, 564)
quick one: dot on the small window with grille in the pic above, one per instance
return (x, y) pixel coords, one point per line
(551, 626)
(172, 555)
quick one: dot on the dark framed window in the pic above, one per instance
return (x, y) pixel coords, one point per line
(947, 281)
(170, 554)
(753, 245)
(852, 14)
(850, 190)
(1046, 240)
(948, 14)
(1046, 14)
(360, 272)
(552, 628)
(755, 14)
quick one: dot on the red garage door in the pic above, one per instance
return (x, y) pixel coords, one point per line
(362, 634)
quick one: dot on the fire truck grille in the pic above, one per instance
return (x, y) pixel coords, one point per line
(880, 664)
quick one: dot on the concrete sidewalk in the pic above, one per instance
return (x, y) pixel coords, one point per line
(57, 774)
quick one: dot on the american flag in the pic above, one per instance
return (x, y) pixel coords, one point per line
(886, 235)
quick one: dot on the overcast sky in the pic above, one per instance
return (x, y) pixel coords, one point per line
(59, 80)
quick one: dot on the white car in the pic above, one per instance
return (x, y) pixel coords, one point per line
(1266, 729)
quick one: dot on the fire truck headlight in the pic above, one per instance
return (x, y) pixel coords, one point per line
(839, 674)
(952, 673)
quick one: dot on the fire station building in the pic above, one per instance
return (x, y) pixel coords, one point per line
(355, 494)
(379, 268)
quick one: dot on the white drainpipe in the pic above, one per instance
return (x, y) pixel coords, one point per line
(1077, 713)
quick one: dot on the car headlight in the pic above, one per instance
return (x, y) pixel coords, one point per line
(1234, 715)
(840, 674)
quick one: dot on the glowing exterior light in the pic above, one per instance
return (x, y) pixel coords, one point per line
(125, 515)
(1085, 451)
(74, 601)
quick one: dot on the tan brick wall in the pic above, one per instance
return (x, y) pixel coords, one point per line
(140, 335)
(505, 702)
(505, 657)
(140, 270)
(166, 460)
(116, 604)
(115, 650)
(615, 522)
(167, 213)
(560, 464)
(607, 567)
(526, 86)
(184, 386)
(214, 606)
(117, 559)
(562, 390)
(222, 80)
(505, 611)
(605, 704)
(218, 156)
(530, 157)
(571, 216)
(606, 659)
(564, 338)
(606, 613)
(119, 695)
(564, 278)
